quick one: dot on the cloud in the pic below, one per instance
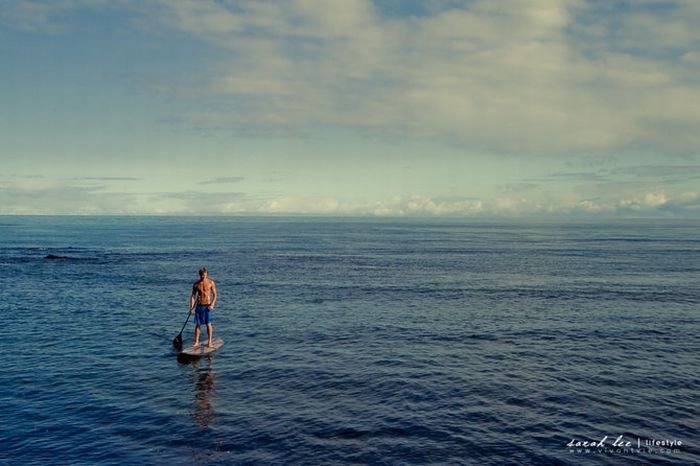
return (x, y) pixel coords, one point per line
(33, 16)
(43, 16)
(290, 205)
(301, 63)
(520, 186)
(45, 196)
(568, 177)
(108, 178)
(224, 180)
(683, 205)
(635, 176)
(57, 197)
(516, 76)
(650, 204)
(202, 203)
(667, 173)
(395, 207)
(506, 76)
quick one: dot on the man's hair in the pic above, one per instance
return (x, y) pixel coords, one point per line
(202, 271)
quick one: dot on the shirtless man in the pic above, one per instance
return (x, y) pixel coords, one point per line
(202, 302)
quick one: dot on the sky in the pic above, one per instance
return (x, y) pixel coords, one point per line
(454, 108)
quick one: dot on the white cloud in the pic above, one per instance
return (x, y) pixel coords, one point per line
(649, 204)
(46, 196)
(289, 205)
(538, 77)
(201, 17)
(655, 199)
(591, 207)
(224, 180)
(506, 76)
(34, 16)
(45, 16)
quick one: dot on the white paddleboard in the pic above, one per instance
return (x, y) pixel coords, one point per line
(203, 349)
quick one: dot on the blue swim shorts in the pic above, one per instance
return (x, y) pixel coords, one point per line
(202, 316)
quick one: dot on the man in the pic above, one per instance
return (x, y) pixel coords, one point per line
(202, 302)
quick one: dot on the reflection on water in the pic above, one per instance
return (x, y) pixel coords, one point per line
(204, 380)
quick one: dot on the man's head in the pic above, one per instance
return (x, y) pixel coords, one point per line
(203, 272)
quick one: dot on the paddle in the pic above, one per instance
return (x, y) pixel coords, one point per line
(177, 341)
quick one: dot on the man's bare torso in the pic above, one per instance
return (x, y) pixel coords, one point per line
(203, 290)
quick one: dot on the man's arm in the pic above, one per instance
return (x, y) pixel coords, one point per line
(213, 294)
(193, 297)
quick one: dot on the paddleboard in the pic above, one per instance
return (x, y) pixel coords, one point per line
(203, 349)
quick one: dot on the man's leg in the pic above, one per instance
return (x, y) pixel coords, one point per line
(210, 333)
(196, 335)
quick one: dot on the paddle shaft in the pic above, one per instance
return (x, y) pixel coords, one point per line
(177, 341)
(185, 324)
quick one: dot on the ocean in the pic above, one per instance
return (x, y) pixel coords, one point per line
(351, 341)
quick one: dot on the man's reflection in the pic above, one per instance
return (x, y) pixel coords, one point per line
(204, 390)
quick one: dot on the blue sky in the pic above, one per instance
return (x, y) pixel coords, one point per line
(467, 108)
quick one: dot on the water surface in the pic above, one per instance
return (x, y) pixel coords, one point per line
(349, 341)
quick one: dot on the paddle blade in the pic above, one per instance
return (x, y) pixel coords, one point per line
(177, 342)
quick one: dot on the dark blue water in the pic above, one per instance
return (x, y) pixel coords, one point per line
(350, 342)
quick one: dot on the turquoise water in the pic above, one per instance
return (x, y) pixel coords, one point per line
(350, 342)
